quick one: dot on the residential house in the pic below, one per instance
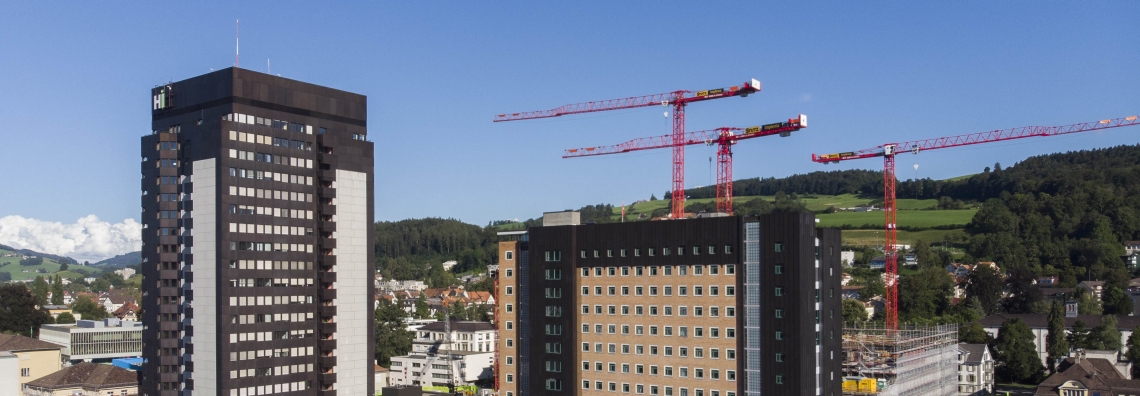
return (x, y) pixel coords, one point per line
(852, 291)
(975, 369)
(847, 257)
(115, 299)
(1131, 247)
(380, 376)
(86, 379)
(1048, 281)
(55, 310)
(1087, 377)
(879, 262)
(959, 270)
(1094, 287)
(25, 359)
(448, 265)
(1059, 294)
(128, 311)
(845, 279)
(910, 259)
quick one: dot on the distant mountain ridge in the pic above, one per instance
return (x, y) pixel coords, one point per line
(29, 252)
(120, 261)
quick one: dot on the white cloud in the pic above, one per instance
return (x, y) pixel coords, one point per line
(88, 239)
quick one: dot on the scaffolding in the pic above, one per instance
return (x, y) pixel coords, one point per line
(913, 360)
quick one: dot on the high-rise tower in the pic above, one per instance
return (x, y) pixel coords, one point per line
(257, 224)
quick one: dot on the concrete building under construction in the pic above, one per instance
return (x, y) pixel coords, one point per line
(913, 360)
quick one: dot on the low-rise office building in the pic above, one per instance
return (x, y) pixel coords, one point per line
(91, 340)
(468, 357)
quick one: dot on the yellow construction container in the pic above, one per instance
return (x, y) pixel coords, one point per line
(868, 385)
(850, 385)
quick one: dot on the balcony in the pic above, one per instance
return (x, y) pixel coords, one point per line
(328, 328)
(327, 175)
(330, 392)
(327, 361)
(328, 345)
(328, 209)
(327, 310)
(327, 378)
(326, 277)
(328, 243)
(327, 226)
(328, 261)
(327, 294)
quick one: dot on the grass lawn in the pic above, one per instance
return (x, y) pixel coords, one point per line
(875, 237)
(906, 218)
(51, 266)
(813, 203)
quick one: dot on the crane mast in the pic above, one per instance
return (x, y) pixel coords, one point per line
(677, 99)
(890, 150)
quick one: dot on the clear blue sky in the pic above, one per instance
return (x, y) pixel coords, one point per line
(75, 80)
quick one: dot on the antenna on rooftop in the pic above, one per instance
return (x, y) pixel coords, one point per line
(237, 43)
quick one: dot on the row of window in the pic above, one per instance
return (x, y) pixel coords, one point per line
(654, 350)
(270, 158)
(665, 310)
(268, 211)
(666, 371)
(269, 140)
(277, 124)
(667, 270)
(271, 176)
(654, 389)
(682, 331)
(267, 353)
(272, 389)
(271, 335)
(168, 231)
(272, 282)
(166, 163)
(271, 265)
(693, 250)
(272, 247)
(269, 371)
(268, 229)
(168, 197)
(269, 300)
(166, 146)
(166, 180)
(168, 214)
(683, 291)
(270, 194)
(296, 317)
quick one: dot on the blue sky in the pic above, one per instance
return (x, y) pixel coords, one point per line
(76, 79)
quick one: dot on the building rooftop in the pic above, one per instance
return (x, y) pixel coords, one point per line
(460, 326)
(1094, 373)
(12, 342)
(1041, 321)
(974, 352)
(88, 376)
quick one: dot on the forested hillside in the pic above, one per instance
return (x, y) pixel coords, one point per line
(406, 249)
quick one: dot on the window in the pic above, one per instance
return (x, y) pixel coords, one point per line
(585, 309)
(510, 273)
(624, 271)
(639, 271)
(598, 271)
(651, 252)
(712, 249)
(780, 379)
(583, 254)
(779, 335)
(510, 255)
(653, 290)
(779, 291)
(609, 252)
(779, 314)
(730, 354)
(727, 249)
(585, 290)
(611, 271)
(714, 290)
(553, 255)
(510, 290)
(668, 290)
(636, 252)
(622, 251)
(698, 270)
(779, 269)
(714, 269)
(729, 269)
(553, 384)
(680, 250)
(778, 247)
(597, 290)
(25, 372)
(637, 291)
(596, 255)
(585, 272)
(779, 357)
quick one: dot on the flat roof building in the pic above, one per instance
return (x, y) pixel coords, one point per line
(88, 340)
(721, 306)
(257, 230)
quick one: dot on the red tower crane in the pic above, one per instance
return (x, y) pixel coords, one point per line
(723, 137)
(888, 152)
(678, 99)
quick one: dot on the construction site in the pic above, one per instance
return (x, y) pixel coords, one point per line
(913, 360)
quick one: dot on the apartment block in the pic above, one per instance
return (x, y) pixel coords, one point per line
(257, 226)
(722, 306)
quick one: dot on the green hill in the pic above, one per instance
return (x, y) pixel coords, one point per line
(10, 264)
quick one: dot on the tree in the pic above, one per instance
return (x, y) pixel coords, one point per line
(63, 266)
(924, 255)
(1116, 302)
(1023, 291)
(974, 333)
(423, 311)
(872, 288)
(88, 309)
(1078, 335)
(985, 284)
(5, 276)
(853, 311)
(40, 290)
(1087, 303)
(18, 313)
(392, 336)
(1056, 344)
(65, 318)
(57, 291)
(438, 277)
(924, 295)
(1133, 353)
(1105, 336)
(487, 283)
(652, 197)
(1016, 356)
